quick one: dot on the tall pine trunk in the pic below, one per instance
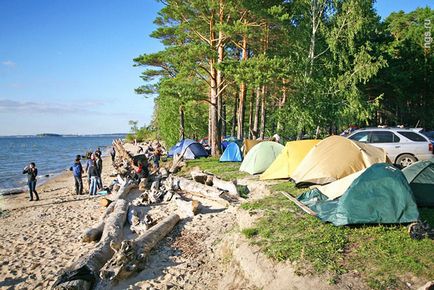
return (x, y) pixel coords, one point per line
(281, 104)
(234, 116)
(181, 123)
(251, 116)
(224, 119)
(214, 140)
(263, 113)
(257, 109)
(243, 92)
(219, 79)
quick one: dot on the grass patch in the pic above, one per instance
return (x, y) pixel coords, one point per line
(224, 170)
(287, 187)
(385, 256)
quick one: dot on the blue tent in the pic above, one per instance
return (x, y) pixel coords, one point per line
(190, 149)
(229, 140)
(232, 153)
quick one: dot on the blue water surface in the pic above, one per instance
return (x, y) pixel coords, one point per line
(52, 155)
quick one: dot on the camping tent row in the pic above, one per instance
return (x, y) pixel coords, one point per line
(188, 148)
(311, 161)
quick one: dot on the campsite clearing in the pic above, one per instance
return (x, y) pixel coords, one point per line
(382, 256)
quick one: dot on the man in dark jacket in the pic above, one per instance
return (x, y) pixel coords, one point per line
(99, 167)
(77, 171)
(31, 172)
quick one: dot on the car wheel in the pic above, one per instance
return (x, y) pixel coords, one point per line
(405, 160)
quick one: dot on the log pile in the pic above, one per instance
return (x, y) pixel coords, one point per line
(114, 258)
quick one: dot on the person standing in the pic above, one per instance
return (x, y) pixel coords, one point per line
(113, 154)
(93, 176)
(31, 172)
(99, 168)
(98, 151)
(158, 151)
(77, 171)
(89, 163)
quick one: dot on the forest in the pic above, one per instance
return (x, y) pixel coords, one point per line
(251, 69)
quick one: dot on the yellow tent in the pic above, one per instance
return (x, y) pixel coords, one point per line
(248, 144)
(334, 158)
(288, 159)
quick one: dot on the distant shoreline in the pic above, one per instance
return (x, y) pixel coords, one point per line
(64, 135)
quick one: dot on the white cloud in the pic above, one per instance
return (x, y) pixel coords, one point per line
(12, 106)
(92, 107)
(9, 63)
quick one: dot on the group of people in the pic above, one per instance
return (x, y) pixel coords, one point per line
(93, 170)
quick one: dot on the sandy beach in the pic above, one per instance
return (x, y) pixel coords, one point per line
(37, 239)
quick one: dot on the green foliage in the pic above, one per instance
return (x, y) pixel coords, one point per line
(144, 133)
(407, 81)
(322, 63)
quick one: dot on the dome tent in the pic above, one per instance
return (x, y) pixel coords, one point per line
(232, 153)
(190, 149)
(260, 157)
(334, 158)
(420, 176)
(288, 159)
(381, 194)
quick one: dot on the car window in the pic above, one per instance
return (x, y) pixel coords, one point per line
(361, 136)
(413, 136)
(383, 137)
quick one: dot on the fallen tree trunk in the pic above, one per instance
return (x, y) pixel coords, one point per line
(192, 186)
(195, 188)
(228, 186)
(94, 233)
(83, 274)
(130, 258)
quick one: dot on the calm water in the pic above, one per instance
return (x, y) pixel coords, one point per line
(52, 155)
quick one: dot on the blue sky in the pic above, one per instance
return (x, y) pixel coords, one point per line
(66, 66)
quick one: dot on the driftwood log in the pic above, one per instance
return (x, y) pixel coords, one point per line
(131, 256)
(192, 186)
(212, 180)
(94, 233)
(228, 186)
(83, 274)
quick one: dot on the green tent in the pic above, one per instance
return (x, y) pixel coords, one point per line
(420, 176)
(381, 194)
(260, 157)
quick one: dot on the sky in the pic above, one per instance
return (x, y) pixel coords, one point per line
(67, 66)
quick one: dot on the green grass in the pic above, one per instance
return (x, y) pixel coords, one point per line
(385, 256)
(288, 187)
(224, 170)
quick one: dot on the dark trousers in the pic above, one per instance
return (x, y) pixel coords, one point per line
(99, 180)
(32, 189)
(78, 185)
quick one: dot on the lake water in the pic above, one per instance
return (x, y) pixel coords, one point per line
(52, 155)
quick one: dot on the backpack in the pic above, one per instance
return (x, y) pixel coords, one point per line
(76, 169)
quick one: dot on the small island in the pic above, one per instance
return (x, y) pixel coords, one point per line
(48, 135)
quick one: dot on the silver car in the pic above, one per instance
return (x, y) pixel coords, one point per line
(402, 146)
